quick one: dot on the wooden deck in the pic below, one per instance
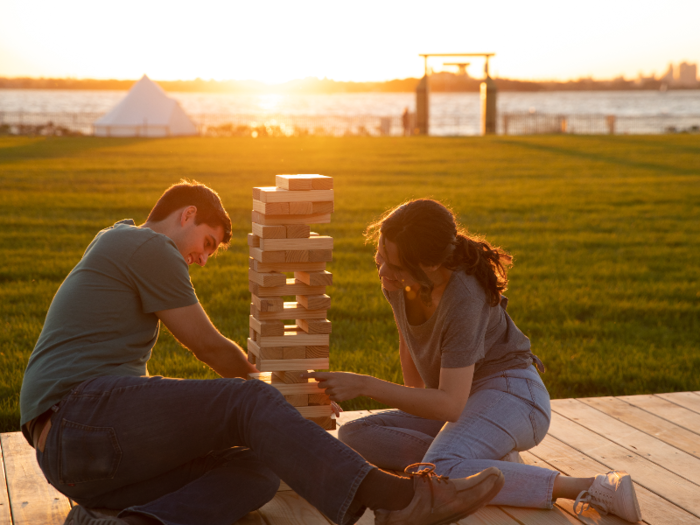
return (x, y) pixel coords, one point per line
(656, 438)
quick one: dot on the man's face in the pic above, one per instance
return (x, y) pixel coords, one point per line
(197, 242)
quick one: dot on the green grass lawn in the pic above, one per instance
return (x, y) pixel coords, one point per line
(604, 230)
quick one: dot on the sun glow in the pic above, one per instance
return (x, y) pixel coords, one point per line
(367, 40)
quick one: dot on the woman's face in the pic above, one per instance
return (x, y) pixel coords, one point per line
(391, 272)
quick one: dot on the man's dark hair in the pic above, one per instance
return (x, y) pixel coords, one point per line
(210, 210)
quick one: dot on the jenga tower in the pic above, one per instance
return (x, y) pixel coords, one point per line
(282, 243)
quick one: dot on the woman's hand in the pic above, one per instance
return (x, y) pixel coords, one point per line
(341, 386)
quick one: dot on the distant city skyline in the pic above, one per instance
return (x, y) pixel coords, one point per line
(364, 41)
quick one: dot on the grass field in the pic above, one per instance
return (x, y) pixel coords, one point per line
(604, 230)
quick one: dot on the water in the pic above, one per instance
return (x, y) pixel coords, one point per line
(448, 110)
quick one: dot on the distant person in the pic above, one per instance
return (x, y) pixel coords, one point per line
(472, 396)
(406, 120)
(188, 452)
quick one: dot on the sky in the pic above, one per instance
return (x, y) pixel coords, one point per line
(276, 41)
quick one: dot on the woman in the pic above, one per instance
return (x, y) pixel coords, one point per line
(472, 396)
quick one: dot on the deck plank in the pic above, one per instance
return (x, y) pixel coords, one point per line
(655, 426)
(649, 447)
(667, 410)
(32, 500)
(566, 507)
(558, 455)
(651, 476)
(5, 514)
(488, 516)
(289, 508)
(689, 400)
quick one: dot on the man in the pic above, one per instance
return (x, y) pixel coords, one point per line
(172, 451)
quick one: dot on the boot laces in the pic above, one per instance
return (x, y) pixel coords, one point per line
(600, 501)
(427, 475)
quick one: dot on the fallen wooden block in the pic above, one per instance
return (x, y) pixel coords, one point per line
(322, 278)
(310, 243)
(267, 220)
(304, 182)
(314, 302)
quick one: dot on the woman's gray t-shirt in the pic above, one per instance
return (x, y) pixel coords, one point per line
(464, 330)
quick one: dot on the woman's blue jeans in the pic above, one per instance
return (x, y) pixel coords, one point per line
(505, 411)
(189, 452)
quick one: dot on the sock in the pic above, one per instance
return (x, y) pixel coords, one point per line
(383, 490)
(140, 519)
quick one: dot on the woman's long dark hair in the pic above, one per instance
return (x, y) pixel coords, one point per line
(426, 232)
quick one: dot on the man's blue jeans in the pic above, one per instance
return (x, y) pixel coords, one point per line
(193, 452)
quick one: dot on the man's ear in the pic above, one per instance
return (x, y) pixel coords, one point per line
(187, 214)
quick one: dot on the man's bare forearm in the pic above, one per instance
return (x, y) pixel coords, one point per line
(226, 358)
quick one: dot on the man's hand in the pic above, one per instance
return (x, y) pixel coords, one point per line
(340, 386)
(192, 328)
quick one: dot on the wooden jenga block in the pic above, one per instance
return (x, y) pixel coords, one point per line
(315, 411)
(251, 358)
(267, 328)
(285, 267)
(311, 386)
(314, 326)
(298, 400)
(271, 194)
(268, 304)
(292, 287)
(269, 232)
(253, 240)
(317, 351)
(314, 302)
(301, 208)
(322, 207)
(266, 364)
(273, 208)
(267, 279)
(304, 182)
(296, 231)
(294, 339)
(266, 257)
(272, 220)
(291, 310)
(317, 400)
(289, 376)
(252, 334)
(322, 278)
(320, 255)
(296, 256)
(326, 422)
(311, 243)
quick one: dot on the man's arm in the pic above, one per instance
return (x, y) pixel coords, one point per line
(192, 328)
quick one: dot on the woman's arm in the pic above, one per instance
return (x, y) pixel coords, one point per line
(444, 403)
(411, 377)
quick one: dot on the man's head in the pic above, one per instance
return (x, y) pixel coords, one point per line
(192, 214)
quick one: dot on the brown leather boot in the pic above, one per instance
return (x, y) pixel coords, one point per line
(439, 500)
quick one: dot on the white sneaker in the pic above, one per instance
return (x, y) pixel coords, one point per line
(513, 457)
(611, 493)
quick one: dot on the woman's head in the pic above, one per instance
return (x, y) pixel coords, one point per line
(422, 235)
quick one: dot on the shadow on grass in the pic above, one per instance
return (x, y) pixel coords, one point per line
(596, 156)
(58, 147)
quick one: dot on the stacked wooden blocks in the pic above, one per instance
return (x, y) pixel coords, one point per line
(282, 243)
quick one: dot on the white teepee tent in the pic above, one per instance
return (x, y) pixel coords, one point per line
(146, 111)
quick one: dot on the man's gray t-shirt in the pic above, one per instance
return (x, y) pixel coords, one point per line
(464, 330)
(101, 321)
